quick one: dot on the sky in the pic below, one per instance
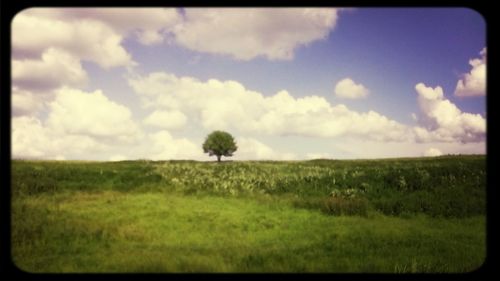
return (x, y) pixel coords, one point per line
(113, 84)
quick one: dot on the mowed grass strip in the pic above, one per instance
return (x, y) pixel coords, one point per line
(110, 231)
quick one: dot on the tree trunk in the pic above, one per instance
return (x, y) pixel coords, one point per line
(218, 158)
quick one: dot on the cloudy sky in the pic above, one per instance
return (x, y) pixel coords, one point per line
(287, 83)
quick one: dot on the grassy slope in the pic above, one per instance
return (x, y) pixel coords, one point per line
(76, 220)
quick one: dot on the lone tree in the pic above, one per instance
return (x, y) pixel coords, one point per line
(219, 143)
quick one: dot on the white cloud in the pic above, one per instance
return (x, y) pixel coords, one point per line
(163, 146)
(474, 82)
(56, 68)
(85, 39)
(96, 34)
(77, 112)
(248, 33)
(252, 149)
(214, 104)
(431, 152)
(117, 157)
(318, 155)
(148, 24)
(26, 102)
(79, 125)
(444, 121)
(49, 44)
(349, 149)
(150, 37)
(172, 120)
(32, 139)
(228, 105)
(28, 137)
(347, 88)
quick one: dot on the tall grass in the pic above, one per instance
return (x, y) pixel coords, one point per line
(400, 215)
(444, 186)
(156, 232)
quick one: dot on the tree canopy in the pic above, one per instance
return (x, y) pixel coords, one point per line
(219, 143)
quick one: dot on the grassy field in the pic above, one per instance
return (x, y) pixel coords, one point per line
(392, 216)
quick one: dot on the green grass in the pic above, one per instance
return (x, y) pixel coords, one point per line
(179, 216)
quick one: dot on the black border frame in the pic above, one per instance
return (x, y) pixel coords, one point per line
(9, 271)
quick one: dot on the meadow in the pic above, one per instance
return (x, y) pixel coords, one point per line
(388, 215)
